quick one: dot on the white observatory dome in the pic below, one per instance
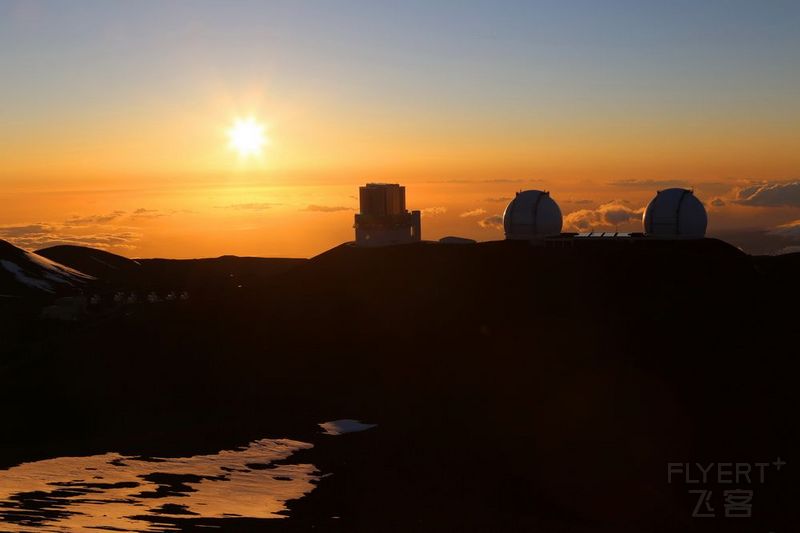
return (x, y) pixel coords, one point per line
(532, 214)
(675, 213)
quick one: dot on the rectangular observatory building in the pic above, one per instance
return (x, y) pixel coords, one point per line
(383, 218)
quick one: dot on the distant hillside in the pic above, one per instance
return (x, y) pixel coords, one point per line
(211, 275)
(214, 274)
(515, 388)
(97, 263)
(25, 273)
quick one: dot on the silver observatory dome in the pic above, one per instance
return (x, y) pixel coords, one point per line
(675, 213)
(531, 215)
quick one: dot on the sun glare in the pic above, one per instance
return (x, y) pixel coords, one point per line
(247, 137)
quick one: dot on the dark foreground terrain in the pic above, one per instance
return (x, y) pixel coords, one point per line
(514, 388)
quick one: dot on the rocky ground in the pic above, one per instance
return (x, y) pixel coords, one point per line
(514, 388)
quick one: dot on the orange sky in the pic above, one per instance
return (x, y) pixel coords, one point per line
(113, 118)
(196, 197)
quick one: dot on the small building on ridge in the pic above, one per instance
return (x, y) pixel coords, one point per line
(383, 218)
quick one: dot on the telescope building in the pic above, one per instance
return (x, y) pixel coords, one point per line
(383, 218)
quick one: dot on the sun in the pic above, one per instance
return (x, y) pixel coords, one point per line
(247, 137)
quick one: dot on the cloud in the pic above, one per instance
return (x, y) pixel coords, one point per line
(611, 214)
(92, 220)
(474, 213)
(433, 211)
(761, 241)
(327, 208)
(255, 206)
(498, 180)
(147, 213)
(648, 184)
(99, 220)
(492, 222)
(36, 236)
(94, 231)
(791, 230)
(506, 180)
(717, 202)
(499, 199)
(579, 202)
(12, 232)
(776, 194)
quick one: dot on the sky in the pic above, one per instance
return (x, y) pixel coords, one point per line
(113, 117)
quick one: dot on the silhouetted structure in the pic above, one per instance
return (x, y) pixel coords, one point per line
(456, 240)
(383, 218)
(532, 215)
(675, 213)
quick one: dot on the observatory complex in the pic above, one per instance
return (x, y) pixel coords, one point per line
(674, 214)
(533, 216)
(383, 218)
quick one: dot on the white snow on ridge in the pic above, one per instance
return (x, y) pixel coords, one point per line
(55, 271)
(24, 278)
(347, 425)
(40, 273)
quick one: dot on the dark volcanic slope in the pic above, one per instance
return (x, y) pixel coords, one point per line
(196, 275)
(209, 275)
(28, 282)
(26, 274)
(515, 388)
(98, 263)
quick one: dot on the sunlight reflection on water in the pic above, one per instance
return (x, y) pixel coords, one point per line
(111, 491)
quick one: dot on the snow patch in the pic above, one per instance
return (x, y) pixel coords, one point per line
(55, 271)
(347, 425)
(41, 273)
(24, 278)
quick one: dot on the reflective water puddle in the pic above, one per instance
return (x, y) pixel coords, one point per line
(118, 493)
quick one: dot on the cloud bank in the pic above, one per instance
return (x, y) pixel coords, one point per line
(37, 236)
(780, 194)
(327, 208)
(473, 213)
(492, 222)
(253, 206)
(609, 215)
(648, 184)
